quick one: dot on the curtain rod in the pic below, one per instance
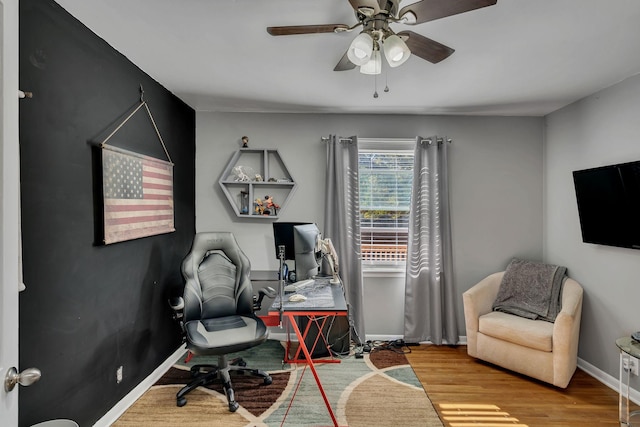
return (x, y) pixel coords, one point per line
(328, 138)
(438, 140)
(428, 140)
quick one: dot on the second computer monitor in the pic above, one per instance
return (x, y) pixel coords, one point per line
(305, 243)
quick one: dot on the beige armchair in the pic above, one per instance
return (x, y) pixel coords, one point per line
(536, 348)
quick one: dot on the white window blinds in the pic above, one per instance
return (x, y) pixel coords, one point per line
(385, 197)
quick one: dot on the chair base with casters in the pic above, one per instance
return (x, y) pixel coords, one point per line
(207, 374)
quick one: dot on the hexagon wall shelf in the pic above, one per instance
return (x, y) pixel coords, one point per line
(253, 174)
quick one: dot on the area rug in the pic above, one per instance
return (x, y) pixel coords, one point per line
(378, 390)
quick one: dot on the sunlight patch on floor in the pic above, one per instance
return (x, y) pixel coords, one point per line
(476, 415)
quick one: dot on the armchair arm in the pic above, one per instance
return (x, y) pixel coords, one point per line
(478, 301)
(566, 333)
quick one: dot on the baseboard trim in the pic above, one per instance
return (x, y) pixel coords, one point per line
(383, 337)
(608, 380)
(116, 412)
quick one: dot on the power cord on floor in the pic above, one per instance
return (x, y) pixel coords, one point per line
(397, 346)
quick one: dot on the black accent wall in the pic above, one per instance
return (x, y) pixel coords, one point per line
(90, 308)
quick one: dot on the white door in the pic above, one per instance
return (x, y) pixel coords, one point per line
(9, 206)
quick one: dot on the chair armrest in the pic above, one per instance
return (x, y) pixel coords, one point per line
(567, 325)
(478, 301)
(481, 296)
(566, 333)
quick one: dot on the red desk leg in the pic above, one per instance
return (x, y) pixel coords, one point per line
(313, 319)
(309, 361)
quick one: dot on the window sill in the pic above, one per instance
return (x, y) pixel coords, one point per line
(388, 271)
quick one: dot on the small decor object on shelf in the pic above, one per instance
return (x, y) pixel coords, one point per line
(245, 142)
(258, 206)
(244, 202)
(243, 173)
(270, 205)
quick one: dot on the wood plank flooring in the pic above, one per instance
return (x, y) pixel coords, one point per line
(467, 392)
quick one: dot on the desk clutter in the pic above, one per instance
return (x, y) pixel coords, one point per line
(313, 293)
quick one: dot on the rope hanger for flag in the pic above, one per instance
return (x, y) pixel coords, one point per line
(137, 190)
(144, 104)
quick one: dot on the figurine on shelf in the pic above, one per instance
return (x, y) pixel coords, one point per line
(245, 142)
(242, 173)
(270, 204)
(244, 202)
(258, 207)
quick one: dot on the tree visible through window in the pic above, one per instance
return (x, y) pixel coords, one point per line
(385, 197)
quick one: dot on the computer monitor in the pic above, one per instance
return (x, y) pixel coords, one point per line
(306, 239)
(283, 235)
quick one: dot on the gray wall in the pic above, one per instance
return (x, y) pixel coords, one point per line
(496, 183)
(601, 129)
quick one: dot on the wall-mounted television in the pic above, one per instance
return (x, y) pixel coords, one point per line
(609, 204)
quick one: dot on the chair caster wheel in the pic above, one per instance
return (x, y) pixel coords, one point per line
(233, 406)
(181, 402)
(268, 380)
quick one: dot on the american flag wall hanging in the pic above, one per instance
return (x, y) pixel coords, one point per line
(138, 195)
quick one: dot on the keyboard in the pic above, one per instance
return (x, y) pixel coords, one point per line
(299, 285)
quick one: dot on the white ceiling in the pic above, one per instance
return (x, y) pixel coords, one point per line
(519, 57)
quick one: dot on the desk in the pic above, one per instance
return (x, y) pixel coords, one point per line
(317, 308)
(628, 348)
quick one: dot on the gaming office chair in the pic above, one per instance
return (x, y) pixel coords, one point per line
(218, 311)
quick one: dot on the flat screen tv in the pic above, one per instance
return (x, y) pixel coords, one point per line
(609, 204)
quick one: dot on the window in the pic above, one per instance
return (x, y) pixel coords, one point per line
(385, 176)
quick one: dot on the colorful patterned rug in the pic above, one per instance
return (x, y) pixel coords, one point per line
(379, 390)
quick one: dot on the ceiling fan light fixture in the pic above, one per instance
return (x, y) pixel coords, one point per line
(361, 49)
(395, 50)
(366, 10)
(374, 65)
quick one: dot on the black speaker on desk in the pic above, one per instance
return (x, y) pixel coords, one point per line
(336, 331)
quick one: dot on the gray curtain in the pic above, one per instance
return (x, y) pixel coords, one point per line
(429, 309)
(342, 222)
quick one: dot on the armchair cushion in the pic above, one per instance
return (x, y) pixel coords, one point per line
(535, 334)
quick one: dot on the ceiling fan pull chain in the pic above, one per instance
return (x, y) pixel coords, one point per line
(375, 86)
(386, 82)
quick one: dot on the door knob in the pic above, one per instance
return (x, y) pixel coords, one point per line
(24, 378)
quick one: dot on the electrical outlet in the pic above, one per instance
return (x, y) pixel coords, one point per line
(633, 365)
(119, 374)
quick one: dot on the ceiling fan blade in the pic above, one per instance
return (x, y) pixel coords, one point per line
(366, 7)
(306, 29)
(425, 48)
(344, 64)
(430, 10)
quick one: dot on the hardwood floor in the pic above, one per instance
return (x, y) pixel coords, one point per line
(468, 392)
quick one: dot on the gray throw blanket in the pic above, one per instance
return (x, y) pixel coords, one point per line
(532, 290)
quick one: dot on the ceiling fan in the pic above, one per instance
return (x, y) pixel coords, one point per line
(374, 16)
